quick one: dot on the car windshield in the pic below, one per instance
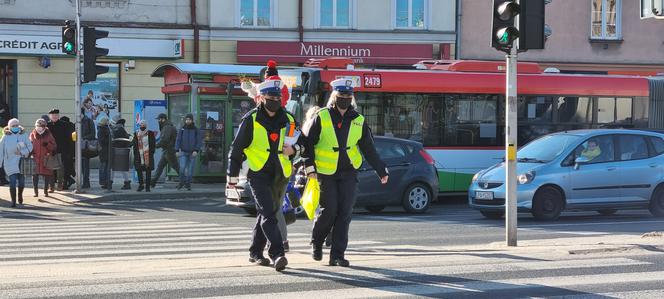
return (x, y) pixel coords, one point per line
(546, 148)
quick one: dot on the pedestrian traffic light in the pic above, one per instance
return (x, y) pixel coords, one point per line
(69, 38)
(91, 52)
(504, 32)
(532, 33)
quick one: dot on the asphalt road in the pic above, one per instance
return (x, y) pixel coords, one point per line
(198, 249)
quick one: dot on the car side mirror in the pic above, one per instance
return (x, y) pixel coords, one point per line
(580, 161)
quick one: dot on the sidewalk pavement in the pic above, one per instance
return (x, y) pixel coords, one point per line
(163, 191)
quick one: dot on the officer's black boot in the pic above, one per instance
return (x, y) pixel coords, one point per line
(342, 262)
(317, 252)
(12, 194)
(20, 195)
(127, 185)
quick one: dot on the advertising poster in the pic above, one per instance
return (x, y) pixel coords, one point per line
(104, 92)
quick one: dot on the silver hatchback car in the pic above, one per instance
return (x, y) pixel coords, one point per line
(602, 170)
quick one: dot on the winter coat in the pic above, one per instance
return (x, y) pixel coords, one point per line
(189, 139)
(88, 129)
(104, 136)
(42, 146)
(8, 150)
(137, 155)
(168, 137)
(62, 133)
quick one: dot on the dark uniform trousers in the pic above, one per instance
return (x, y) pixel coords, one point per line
(167, 157)
(268, 190)
(337, 198)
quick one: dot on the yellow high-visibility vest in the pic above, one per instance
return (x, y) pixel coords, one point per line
(258, 151)
(327, 149)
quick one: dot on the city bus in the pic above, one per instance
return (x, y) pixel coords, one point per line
(457, 109)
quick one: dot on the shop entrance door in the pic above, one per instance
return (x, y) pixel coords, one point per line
(8, 91)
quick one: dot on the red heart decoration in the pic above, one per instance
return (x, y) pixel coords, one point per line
(274, 137)
(339, 125)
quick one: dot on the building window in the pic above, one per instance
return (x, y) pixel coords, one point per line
(256, 13)
(605, 19)
(335, 13)
(410, 14)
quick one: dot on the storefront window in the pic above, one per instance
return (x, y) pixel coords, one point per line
(410, 14)
(335, 13)
(178, 107)
(211, 122)
(241, 106)
(255, 13)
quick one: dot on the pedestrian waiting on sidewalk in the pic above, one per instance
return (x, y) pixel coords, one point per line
(144, 148)
(188, 145)
(104, 137)
(120, 163)
(167, 140)
(15, 146)
(43, 147)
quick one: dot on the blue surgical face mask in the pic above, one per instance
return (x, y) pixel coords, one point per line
(15, 130)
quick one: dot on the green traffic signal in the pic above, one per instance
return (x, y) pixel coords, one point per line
(69, 47)
(505, 36)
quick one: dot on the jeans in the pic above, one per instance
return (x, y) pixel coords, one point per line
(85, 164)
(186, 168)
(16, 178)
(104, 173)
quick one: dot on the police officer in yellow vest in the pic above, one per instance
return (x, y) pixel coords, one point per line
(337, 139)
(260, 140)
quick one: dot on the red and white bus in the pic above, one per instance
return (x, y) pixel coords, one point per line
(456, 109)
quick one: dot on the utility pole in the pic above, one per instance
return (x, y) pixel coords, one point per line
(77, 100)
(511, 147)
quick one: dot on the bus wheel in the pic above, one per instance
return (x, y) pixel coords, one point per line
(375, 209)
(657, 202)
(492, 214)
(417, 198)
(548, 203)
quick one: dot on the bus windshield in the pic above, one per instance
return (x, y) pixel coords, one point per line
(547, 148)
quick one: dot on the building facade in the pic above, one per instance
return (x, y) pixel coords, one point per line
(35, 76)
(605, 36)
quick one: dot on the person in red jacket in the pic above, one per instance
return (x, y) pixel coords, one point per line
(43, 145)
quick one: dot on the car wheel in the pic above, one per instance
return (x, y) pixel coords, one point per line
(657, 202)
(375, 209)
(250, 211)
(607, 212)
(417, 198)
(492, 214)
(548, 203)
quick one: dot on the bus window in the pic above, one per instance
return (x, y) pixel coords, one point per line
(640, 112)
(403, 116)
(578, 110)
(371, 106)
(470, 120)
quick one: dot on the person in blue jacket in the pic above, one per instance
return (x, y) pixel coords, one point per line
(188, 146)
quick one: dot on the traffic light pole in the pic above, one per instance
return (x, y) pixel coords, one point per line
(511, 147)
(77, 99)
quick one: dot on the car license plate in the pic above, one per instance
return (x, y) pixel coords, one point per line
(486, 195)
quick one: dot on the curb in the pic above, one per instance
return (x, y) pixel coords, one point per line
(156, 196)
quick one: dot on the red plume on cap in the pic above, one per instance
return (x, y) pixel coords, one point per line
(271, 69)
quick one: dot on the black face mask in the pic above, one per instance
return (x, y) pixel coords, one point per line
(343, 103)
(143, 128)
(272, 106)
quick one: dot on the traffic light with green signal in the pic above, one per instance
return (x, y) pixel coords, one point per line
(91, 52)
(69, 38)
(504, 32)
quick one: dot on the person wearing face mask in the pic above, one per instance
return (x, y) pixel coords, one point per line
(337, 139)
(261, 140)
(144, 147)
(43, 146)
(63, 140)
(188, 145)
(88, 133)
(14, 146)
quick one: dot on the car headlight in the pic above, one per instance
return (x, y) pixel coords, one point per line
(526, 178)
(476, 176)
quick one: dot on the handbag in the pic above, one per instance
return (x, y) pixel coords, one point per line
(27, 166)
(53, 162)
(92, 146)
(310, 197)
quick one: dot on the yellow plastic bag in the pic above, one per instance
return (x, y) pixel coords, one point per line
(310, 197)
